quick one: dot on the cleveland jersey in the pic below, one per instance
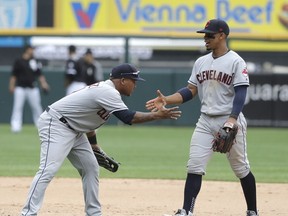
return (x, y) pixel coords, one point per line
(89, 108)
(217, 77)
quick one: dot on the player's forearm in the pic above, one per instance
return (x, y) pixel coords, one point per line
(141, 117)
(43, 82)
(92, 137)
(174, 99)
(12, 83)
(182, 95)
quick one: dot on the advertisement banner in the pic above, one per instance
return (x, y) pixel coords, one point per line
(245, 17)
(17, 14)
(267, 100)
(81, 14)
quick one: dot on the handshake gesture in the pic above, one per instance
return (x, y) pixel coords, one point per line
(158, 104)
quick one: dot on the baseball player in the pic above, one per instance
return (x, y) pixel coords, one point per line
(82, 72)
(220, 79)
(63, 125)
(89, 69)
(73, 81)
(23, 85)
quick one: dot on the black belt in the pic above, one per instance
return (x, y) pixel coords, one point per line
(62, 119)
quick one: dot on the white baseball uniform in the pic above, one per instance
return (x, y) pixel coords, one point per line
(215, 79)
(62, 129)
(71, 73)
(25, 71)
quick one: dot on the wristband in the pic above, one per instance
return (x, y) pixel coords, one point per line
(92, 139)
(186, 94)
(233, 116)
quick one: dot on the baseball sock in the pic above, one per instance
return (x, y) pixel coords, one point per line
(249, 188)
(192, 188)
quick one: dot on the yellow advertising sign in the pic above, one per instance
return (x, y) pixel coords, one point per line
(245, 17)
(80, 15)
(190, 15)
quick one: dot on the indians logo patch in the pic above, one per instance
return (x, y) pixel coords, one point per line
(245, 73)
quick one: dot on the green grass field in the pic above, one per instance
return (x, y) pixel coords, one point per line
(151, 152)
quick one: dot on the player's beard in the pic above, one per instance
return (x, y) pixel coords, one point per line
(208, 48)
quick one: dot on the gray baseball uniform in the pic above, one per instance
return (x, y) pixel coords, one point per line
(61, 130)
(221, 79)
(215, 80)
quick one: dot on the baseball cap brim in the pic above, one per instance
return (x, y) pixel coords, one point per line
(134, 76)
(215, 26)
(126, 71)
(206, 31)
(138, 79)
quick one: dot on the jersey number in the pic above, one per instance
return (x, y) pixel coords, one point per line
(103, 114)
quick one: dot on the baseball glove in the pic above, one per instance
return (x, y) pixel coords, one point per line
(225, 138)
(106, 161)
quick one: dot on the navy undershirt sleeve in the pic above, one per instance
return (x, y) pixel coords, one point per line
(125, 116)
(239, 100)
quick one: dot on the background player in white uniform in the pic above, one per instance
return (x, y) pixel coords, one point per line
(62, 129)
(221, 79)
(23, 84)
(82, 72)
(88, 69)
(73, 81)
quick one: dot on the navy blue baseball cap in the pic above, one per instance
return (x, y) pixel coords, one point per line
(125, 71)
(215, 26)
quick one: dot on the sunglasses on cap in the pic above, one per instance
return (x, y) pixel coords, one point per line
(129, 74)
(133, 75)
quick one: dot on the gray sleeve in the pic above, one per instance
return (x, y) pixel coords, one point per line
(193, 80)
(240, 73)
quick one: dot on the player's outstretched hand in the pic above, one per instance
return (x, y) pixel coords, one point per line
(168, 113)
(156, 103)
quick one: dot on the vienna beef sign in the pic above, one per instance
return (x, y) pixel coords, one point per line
(164, 16)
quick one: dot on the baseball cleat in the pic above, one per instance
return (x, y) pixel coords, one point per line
(251, 213)
(182, 212)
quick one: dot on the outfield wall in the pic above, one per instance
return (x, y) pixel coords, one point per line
(165, 79)
(266, 104)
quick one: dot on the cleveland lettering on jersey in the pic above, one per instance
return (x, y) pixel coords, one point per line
(214, 75)
(103, 114)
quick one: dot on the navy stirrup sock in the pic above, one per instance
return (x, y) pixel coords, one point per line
(249, 189)
(192, 188)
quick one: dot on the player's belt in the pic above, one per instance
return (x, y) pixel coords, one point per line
(61, 118)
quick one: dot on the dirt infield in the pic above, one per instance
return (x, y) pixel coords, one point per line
(137, 197)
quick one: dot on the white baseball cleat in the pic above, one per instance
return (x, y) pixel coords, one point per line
(251, 213)
(180, 212)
